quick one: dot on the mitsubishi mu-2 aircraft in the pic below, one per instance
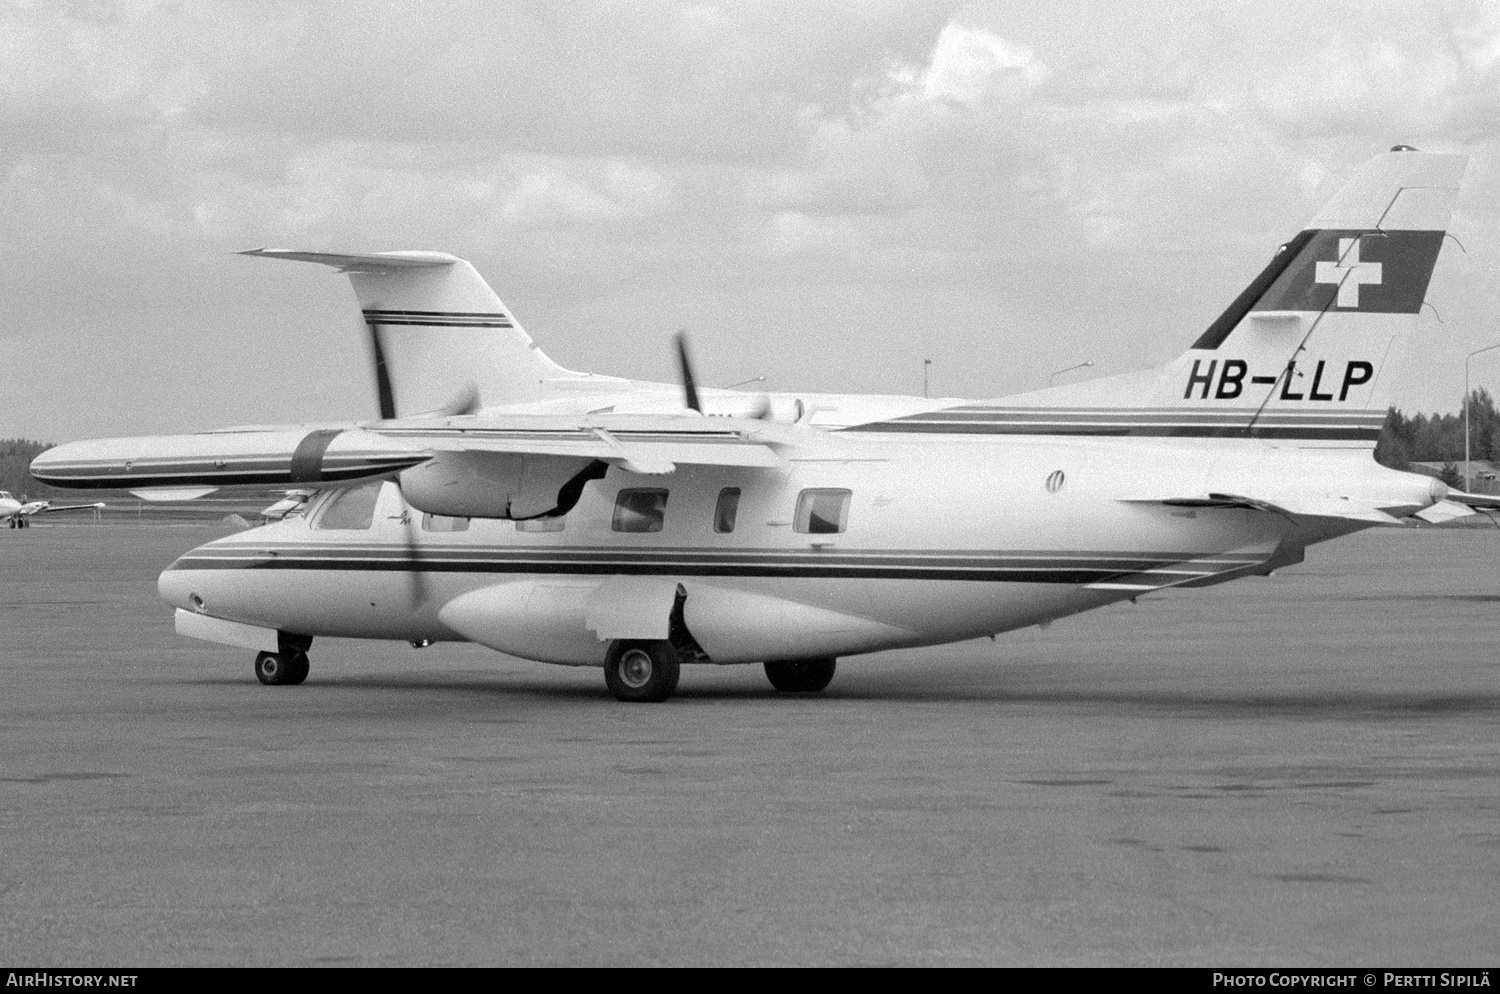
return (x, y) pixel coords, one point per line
(587, 520)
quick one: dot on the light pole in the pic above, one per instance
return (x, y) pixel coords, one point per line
(926, 368)
(1468, 484)
(1082, 365)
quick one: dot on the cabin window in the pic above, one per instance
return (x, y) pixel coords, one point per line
(822, 512)
(726, 510)
(540, 525)
(640, 510)
(350, 510)
(443, 523)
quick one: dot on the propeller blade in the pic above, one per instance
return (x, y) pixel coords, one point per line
(685, 365)
(464, 401)
(418, 587)
(385, 396)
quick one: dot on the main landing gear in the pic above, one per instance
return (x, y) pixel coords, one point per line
(801, 676)
(276, 668)
(640, 671)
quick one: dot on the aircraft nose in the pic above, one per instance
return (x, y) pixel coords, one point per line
(186, 585)
(176, 587)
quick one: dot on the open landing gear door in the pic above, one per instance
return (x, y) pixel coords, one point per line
(632, 607)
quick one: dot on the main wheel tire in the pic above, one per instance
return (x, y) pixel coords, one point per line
(639, 672)
(273, 670)
(297, 668)
(801, 676)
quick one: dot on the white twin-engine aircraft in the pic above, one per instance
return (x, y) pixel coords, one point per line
(18, 513)
(592, 521)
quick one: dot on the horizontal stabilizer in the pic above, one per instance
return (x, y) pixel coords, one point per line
(1286, 505)
(1460, 505)
(373, 263)
(1200, 572)
(1476, 501)
(1444, 511)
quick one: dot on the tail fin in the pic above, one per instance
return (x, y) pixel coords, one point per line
(1310, 351)
(438, 331)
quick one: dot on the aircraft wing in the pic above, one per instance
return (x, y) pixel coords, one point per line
(637, 443)
(336, 454)
(1477, 501)
(29, 510)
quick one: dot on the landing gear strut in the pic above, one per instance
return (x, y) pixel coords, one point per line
(277, 668)
(804, 676)
(641, 671)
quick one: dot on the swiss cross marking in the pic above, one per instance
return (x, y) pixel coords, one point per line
(1348, 272)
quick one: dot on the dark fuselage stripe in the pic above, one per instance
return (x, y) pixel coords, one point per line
(389, 322)
(1331, 433)
(383, 312)
(1069, 576)
(1014, 568)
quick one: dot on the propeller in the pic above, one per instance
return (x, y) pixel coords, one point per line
(385, 396)
(685, 366)
(466, 401)
(419, 587)
(781, 410)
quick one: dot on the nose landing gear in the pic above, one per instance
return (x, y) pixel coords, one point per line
(277, 668)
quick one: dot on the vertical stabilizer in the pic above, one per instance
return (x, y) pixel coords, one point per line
(439, 333)
(1308, 354)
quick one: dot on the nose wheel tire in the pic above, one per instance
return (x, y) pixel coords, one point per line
(273, 669)
(639, 672)
(801, 676)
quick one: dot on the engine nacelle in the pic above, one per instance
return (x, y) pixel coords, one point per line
(783, 410)
(498, 484)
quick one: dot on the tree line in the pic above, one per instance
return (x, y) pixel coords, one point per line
(15, 456)
(1440, 437)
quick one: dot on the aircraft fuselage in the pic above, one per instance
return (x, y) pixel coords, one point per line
(944, 539)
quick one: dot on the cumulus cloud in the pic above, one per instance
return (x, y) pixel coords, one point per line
(1034, 172)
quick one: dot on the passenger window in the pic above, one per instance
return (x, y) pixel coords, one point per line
(822, 512)
(726, 510)
(443, 523)
(350, 510)
(640, 510)
(540, 525)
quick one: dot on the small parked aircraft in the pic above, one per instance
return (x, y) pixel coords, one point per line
(587, 520)
(18, 513)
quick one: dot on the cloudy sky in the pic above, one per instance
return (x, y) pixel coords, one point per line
(825, 194)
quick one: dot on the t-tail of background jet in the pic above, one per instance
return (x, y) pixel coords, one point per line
(441, 339)
(1309, 353)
